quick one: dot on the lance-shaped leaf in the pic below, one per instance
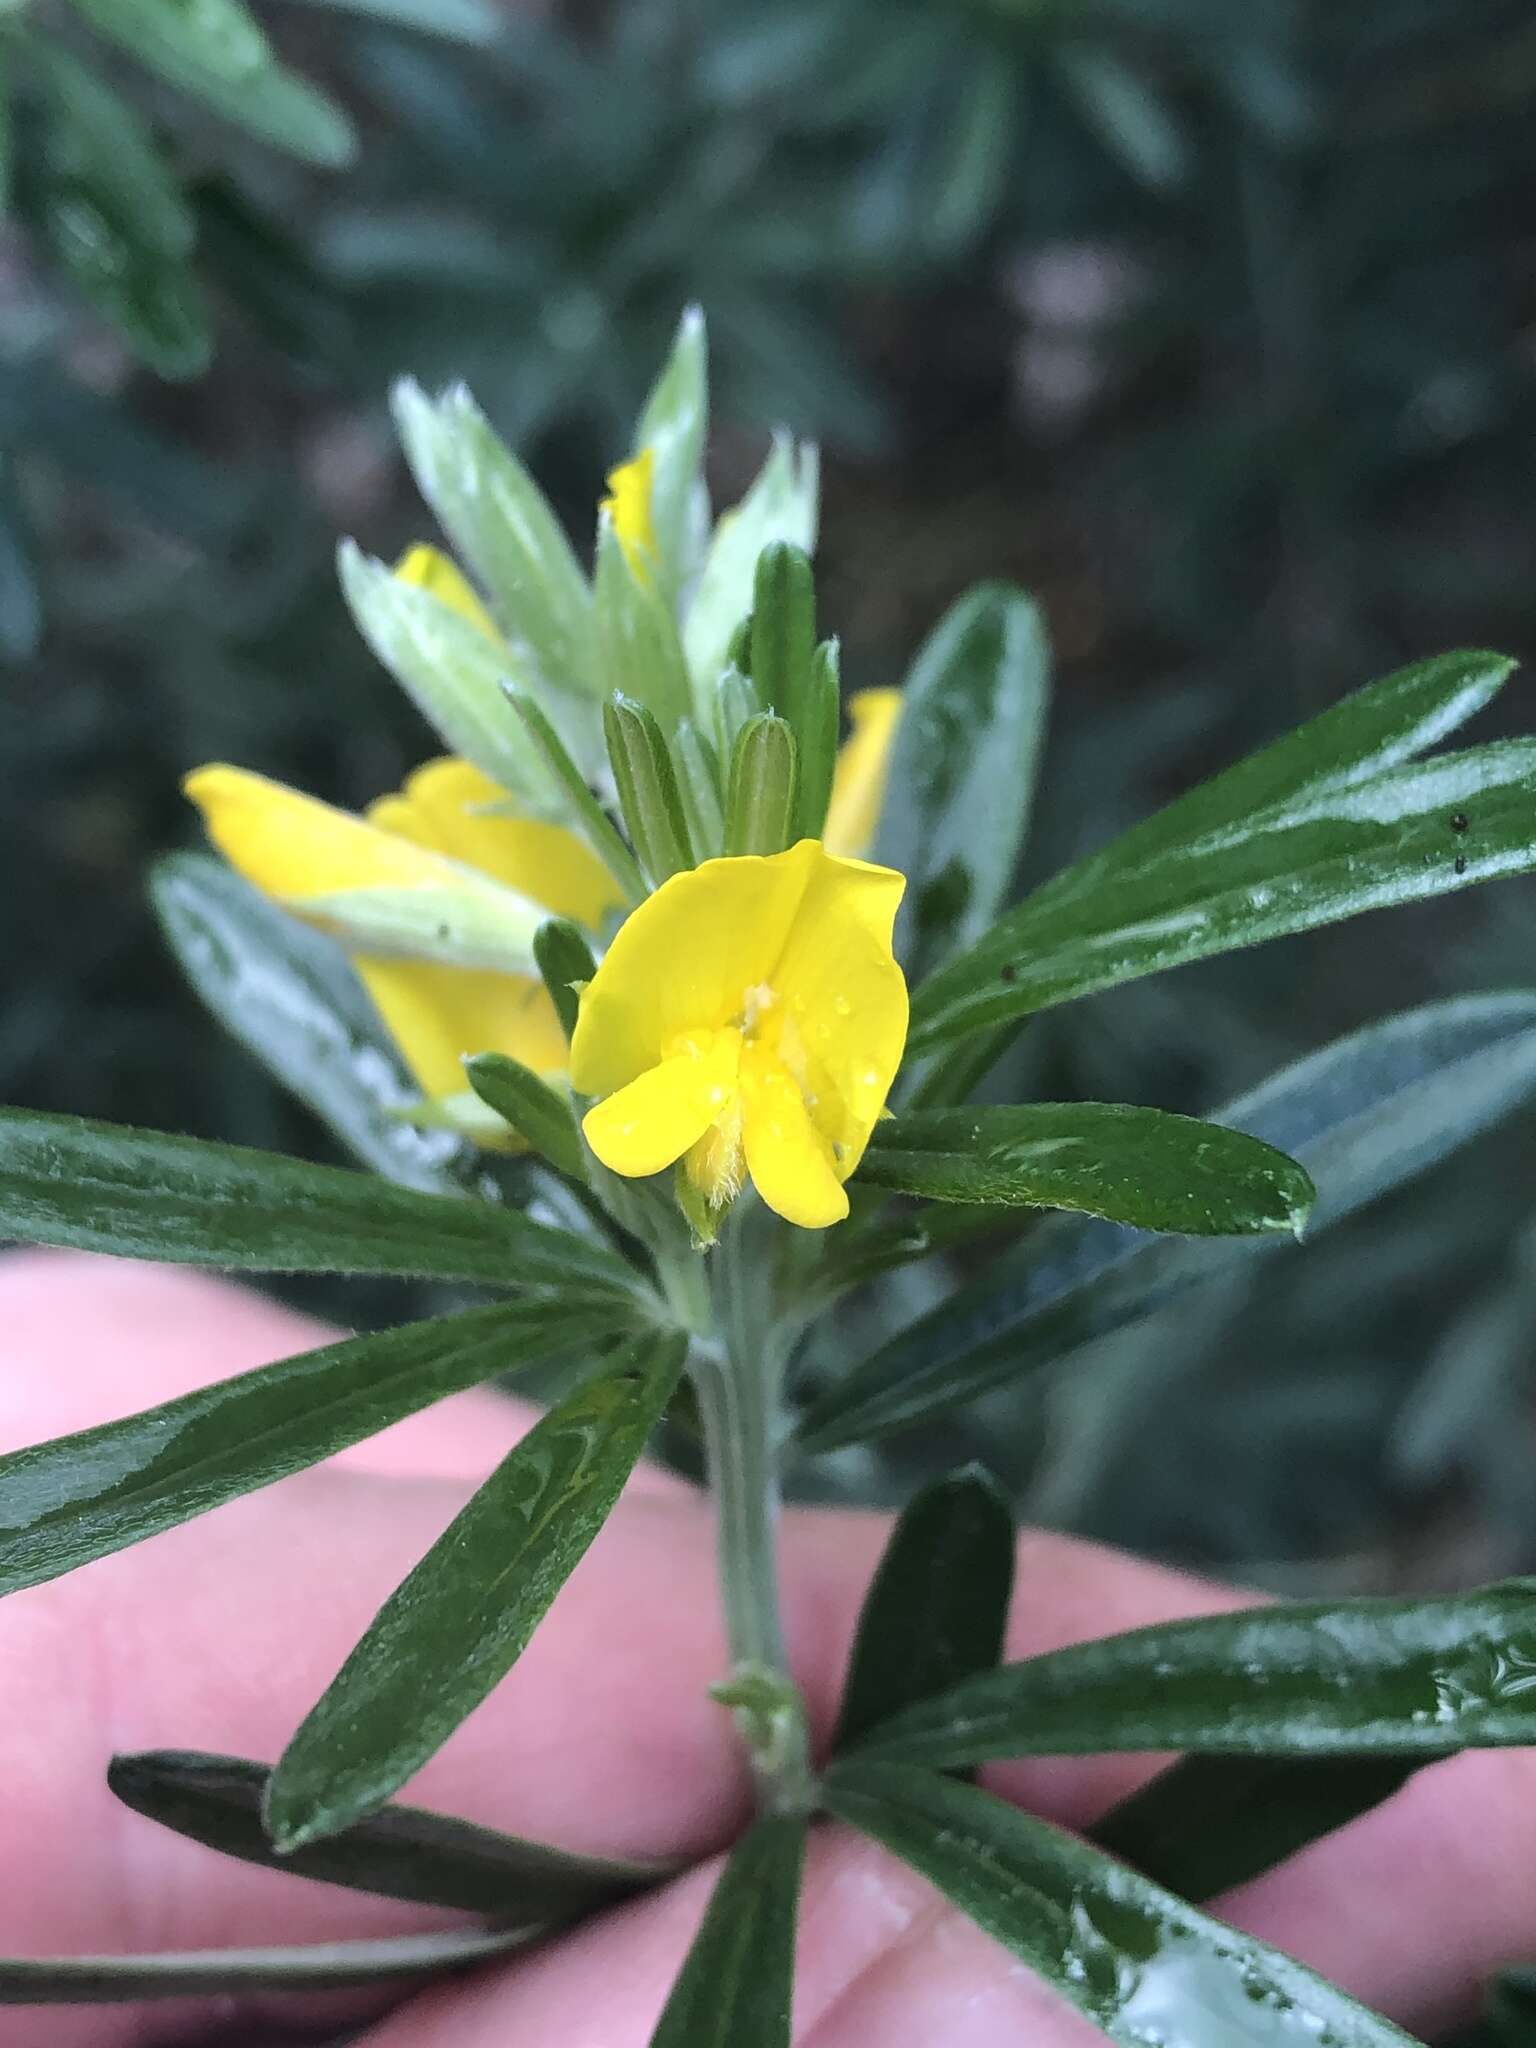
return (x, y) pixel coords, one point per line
(639, 652)
(212, 1972)
(402, 1852)
(1131, 1165)
(1334, 833)
(673, 426)
(291, 997)
(938, 1604)
(737, 1986)
(80, 1497)
(501, 524)
(1211, 1822)
(448, 1635)
(217, 52)
(146, 1195)
(1361, 1116)
(963, 768)
(1134, 1959)
(1322, 1678)
(781, 505)
(455, 674)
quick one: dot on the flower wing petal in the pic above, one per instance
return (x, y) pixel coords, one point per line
(436, 1015)
(429, 569)
(791, 1162)
(653, 1121)
(293, 846)
(450, 806)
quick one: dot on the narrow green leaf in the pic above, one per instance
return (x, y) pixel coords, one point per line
(1136, 1960)
(639, 652)
(702, 788)
(456, 676)
(1209, 1823)
(819, 732)
(566, 963)
(80, 1497)
(781, 505)
(217, 52)
(737, 1986)
(210, 1972)
(1341, 842)
(760, 803)
(1322, 1678)
(1132, 119)
(459, 21)
(646, 781)
(531, 1107)
(447, 1637)
(99, 140)
(963, 769)
(1110, 1159)
(673, 425)
(145, 1195)
(291, 997)
(783, 631)
(1361, 1116)
(501, 524)
(601, 834)
(401, 1852)
(938, 1604)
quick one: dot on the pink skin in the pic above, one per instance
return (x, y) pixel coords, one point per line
(219, 1635)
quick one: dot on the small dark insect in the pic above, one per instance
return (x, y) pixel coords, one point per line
(1459, 821)
(1461, 863)
(1008, 972)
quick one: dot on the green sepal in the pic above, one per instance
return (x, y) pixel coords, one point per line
(818, 734)
(760, 804)
(646, 781)
(639, 652)
(701, 787)
(735, 705)
(565, 961)
(535, 1111)
(601, 834)
(783, 631)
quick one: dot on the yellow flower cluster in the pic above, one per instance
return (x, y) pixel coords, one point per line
(747, 1019)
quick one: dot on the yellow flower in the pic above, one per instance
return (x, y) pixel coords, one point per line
(629, 507)
(446, 839)
(863, 765)
(749, 1018)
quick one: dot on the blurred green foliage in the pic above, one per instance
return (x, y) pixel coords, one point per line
(1210, 325)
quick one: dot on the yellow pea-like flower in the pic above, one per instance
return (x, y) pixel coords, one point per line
(863, 768)
(448, 830)
(628, 505)
(748, 1019)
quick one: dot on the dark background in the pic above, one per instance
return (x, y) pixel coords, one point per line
(1212, 326)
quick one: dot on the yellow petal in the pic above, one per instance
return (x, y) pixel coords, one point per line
(863, 765)
(653, 1121)
(790, 1160)
(451, 807)
(429, 569)
(294, 846)
(436, 1015)
(683, 963)
(629, 507)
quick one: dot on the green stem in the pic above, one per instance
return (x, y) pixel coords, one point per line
(737, 1369)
